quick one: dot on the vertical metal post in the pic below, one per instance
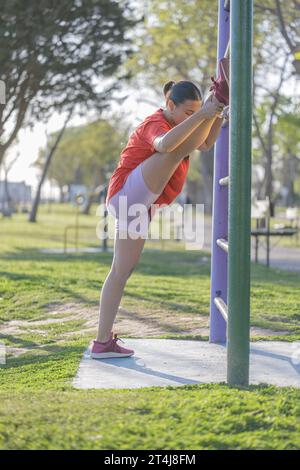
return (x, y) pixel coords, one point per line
(241, 17)
(256, 242)
(76, 225)
(268, 243)
(220, 206)
(268, 232)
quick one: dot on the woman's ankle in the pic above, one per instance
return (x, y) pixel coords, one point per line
(103, 338)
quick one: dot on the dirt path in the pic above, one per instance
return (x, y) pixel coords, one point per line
(135, 324)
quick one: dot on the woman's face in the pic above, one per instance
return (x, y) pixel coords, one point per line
(182, 111)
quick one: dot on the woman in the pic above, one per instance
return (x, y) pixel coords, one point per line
(152, 169)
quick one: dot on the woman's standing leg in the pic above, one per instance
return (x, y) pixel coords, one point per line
(126, 256)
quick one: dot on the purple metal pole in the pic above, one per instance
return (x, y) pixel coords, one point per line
(220, 205)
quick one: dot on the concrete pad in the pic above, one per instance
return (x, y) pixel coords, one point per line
(165, 362)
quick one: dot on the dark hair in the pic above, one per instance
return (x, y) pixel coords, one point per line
(181, 91)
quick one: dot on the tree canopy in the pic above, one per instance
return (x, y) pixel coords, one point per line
(57, 55)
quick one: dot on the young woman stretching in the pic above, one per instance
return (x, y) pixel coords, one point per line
(152, 169)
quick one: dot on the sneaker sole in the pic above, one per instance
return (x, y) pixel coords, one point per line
(108, 355)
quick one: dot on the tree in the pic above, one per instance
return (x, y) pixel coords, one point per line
(34, 209)
(178, 41)
(287, 16)
(287, 149)
(100, 146)
(264, 118)
(272, 58)
(51, 54)
(63, 166)
(86, 154)
(8, 208)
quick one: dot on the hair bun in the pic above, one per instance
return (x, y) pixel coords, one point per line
(168, 86)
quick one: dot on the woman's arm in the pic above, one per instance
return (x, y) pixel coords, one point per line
(213, 135)
(176, 136)
(195, 140)
(198, 138)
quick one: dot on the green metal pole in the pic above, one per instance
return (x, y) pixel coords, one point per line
(241, 17)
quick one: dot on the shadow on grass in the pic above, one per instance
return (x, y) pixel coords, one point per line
(159, 321)
(57, 352)
(261, 273)
(24, 254)
(73, 294)
(175, 306)
(22, 343)
(166, 263)
(156, 262)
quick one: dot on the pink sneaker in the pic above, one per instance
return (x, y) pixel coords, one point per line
(109, 349)
(220, 86)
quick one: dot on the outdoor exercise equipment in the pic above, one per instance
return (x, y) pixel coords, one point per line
(79, 201)
(231, 224)
(100, 192)
(261, 212)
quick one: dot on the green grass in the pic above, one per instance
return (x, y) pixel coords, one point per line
(39, 407)
(187, 417)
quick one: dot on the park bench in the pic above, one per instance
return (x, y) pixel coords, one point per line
(261, 211)
(292, 216)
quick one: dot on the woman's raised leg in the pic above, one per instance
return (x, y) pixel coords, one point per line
(159, 167)
(126, 256)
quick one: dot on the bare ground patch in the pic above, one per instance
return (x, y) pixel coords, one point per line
(133, 323)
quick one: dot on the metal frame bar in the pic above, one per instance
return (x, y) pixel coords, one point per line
(222, 307)
(239, 235)
(224, 181)
(220, 205)
(223, 243)
(231, 320)
(101, 192)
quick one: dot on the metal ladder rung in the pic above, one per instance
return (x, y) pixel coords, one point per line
(227, 51)
(222, 243)
(222, 307)
(224, 181)
(227, 5)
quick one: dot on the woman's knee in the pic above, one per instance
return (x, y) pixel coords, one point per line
(122, 273)
(175, 155)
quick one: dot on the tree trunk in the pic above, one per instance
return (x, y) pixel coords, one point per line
(61, 195)
(269, 175)
(2, 151)
(33, 213)
(292, 173)
(194, 191)
(87, 207)
(98, 179)
(7, 200)
(291, 194)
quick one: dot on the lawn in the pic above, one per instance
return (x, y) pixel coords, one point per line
(49, 310)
